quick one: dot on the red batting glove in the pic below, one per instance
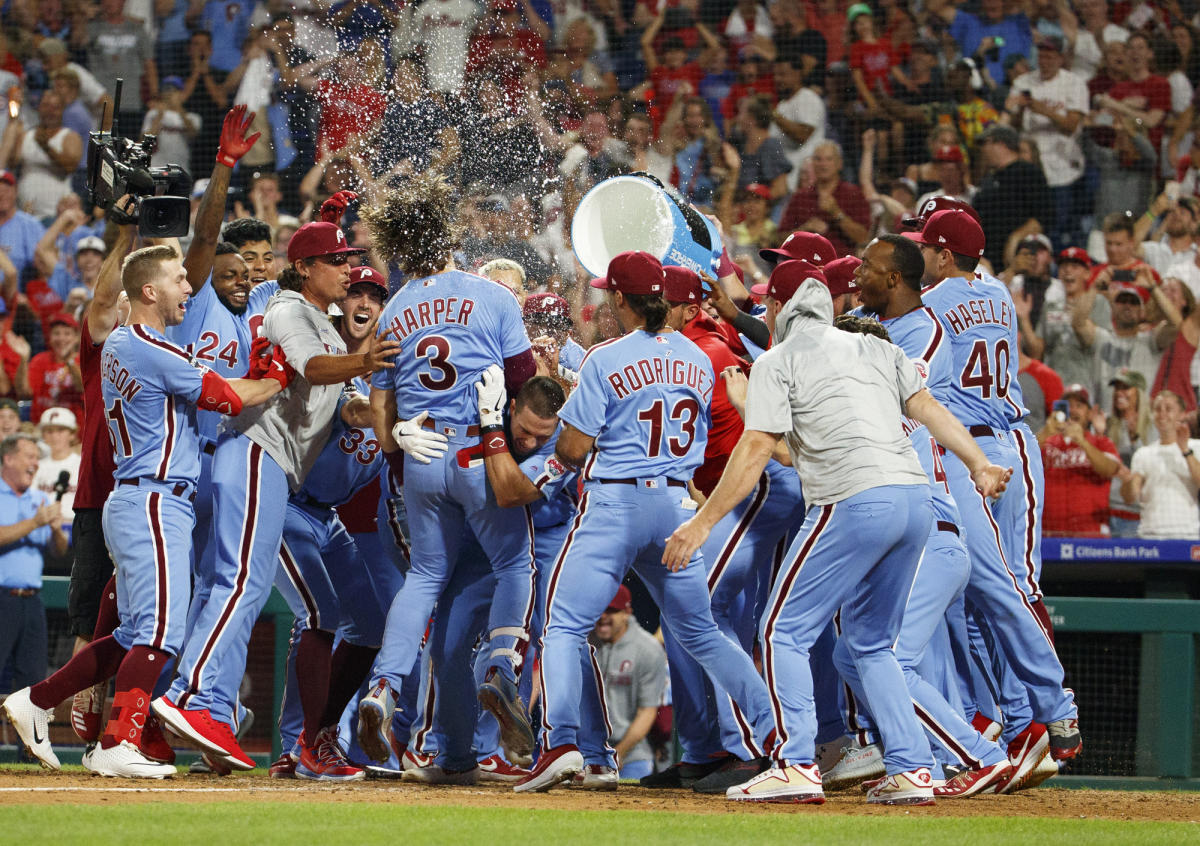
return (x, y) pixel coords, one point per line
(260, 358)
(280, 370)
(234, 141)
(333, 208)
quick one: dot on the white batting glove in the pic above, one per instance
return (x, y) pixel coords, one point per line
(492, 396)
(423, 445)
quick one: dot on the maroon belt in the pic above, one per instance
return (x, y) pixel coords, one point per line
(947, 526)
(179, 490)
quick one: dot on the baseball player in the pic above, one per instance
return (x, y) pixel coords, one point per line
(548, 321)
(838, 399)
(452, 326)
(739, 555)
(151, 390)
(979, 322)
(637, 424)
(262, 455)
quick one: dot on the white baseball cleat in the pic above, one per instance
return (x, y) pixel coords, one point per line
(828, 754)
(33, 727)
(858, 764)
(914, 787)
(123, 761)
(596, 777)
(794, 783)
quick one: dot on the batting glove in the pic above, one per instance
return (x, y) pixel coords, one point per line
(234, 141)
(421, 444)
(260, 358)
(279, 369)
(333, 208)
(492, 397)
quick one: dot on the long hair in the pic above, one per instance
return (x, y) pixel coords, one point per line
(650, 307)
(415, 225)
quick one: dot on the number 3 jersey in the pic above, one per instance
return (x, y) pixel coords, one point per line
(451, 327)
(150, 388)
(645, 399)
(981, 326)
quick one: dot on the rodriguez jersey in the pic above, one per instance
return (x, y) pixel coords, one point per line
(645, 399)
(451, 327)
(150, 388)
(980, 323)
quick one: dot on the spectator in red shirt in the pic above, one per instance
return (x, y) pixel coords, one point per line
(754, 76)
(506, 45)
(830, 206)
(1079, 466)
(352, 100)
(873, 62)
(669, 74)
(54, 376)
(1143, 95)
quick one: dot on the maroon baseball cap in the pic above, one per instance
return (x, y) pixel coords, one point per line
(369, 275)
(319, 239)
(683, 286)
(622, 601)
(1078, 392)
(633, 272)
(786, 278)
(1075, 254)
(953, 230)
(802, 246)
(839, 275)
(948, 153)
(937, 204)
(7, 176)
(547, 308)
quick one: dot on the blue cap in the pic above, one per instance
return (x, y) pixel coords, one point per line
(175, 82)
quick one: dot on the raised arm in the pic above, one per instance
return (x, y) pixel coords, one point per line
(102, 313)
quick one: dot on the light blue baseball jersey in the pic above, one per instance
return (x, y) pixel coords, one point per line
(1016, 404)
(451, 327)
(218, 338)
(645, 399)
(350, 461)
(150, 388)
(556, 483)
(981, 327)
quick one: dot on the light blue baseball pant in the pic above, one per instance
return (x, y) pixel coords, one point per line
(620, 526)
(941, 577)
(248, 491)
(859, 554)
(739, 554)
(149, 533)
(445, 503)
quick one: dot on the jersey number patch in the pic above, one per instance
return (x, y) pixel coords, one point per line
(987, 372)
(118, 432)
(442, 375)
(685, 413)
(209, 341)
(355, 442)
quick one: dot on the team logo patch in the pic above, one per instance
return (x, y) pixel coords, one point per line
(921, 368)
(659, 339)
(555, 468)
(496, 442)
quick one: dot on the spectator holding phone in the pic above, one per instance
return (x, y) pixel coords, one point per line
(1128, 425)
(1165, 477)
(1079, 464)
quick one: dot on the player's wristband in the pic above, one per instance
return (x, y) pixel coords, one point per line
(494, 441)
(1189, 453)
(725, 265)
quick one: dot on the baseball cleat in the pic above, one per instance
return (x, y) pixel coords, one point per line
(596, 777)
(828, 754)
(209, 764)
(681, 774)
(1025, 752)
(1065, 740)
(284, 767)
(153, 743)
(124, 760)
(375, 712)
(495, 769)
(33, 727)
(199, 727)
(325, 761)
(914, 787)
(1046, 769)
(973, 782)
(413, 760)
(553, 768)
(732, 773)
(434, 774)
(87, 711)
(499, 695)
(799, 783)
(985, 725)
(858, 764)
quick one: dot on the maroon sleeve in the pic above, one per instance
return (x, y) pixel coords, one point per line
(518, 369)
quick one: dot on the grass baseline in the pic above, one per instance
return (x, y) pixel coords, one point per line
(258, 822)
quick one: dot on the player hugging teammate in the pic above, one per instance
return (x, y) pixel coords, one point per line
(846, 503)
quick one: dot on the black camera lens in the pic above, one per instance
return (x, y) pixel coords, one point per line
(164, 217)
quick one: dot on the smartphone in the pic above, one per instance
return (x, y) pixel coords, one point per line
(1123, 276)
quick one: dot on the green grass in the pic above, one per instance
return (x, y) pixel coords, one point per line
(332, 824)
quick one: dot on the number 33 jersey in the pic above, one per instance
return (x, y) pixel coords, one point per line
(981, 327)
(451, 327)
(645, 399)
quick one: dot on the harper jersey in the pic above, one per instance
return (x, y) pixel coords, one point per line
(981, 327)
(150, 388)
(218, 338)
(645, 399)
(451, 327)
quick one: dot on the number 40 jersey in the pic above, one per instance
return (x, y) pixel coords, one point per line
(980, 323)
(451, 327)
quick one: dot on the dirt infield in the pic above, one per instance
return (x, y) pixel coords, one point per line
(74, 788)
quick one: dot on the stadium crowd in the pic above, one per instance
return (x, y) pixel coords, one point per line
(1069, 128)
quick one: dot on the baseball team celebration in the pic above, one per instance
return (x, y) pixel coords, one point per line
(461, 401)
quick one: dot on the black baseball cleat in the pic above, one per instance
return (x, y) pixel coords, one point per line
(682, 774)
(731, 773)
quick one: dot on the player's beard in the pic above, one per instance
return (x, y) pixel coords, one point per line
(237, 311)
